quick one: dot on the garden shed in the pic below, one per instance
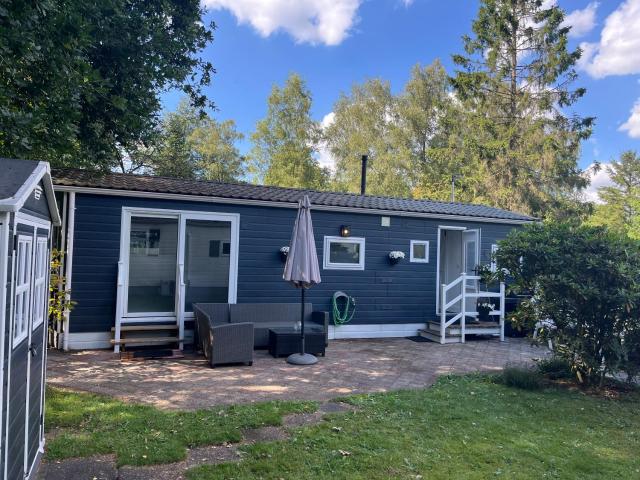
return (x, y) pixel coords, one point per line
(27, 213)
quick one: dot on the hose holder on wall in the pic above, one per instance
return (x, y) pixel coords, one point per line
(340, 318)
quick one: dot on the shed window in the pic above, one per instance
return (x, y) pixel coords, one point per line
(39, 284)
(343, 253)
(22, 289)
(419, 251)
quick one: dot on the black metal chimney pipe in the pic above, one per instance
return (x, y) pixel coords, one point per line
(363, 176)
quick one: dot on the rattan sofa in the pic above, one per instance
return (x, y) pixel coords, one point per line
(265, 316)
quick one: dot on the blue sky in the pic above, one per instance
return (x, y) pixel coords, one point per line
(333, 44)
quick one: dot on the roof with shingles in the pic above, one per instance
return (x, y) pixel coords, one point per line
(14, 174)
(246, 191)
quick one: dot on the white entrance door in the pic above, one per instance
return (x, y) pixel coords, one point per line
(458, 251)
(471, 257)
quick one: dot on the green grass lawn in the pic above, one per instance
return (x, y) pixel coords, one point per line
(87, 424)
(463, 427)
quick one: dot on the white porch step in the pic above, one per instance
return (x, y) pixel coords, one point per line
(482, 328)
(435, 336)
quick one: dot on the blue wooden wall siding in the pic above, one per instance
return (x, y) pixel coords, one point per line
(404, 293)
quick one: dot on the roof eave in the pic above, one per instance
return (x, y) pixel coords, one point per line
(281, 204)
(16, 202)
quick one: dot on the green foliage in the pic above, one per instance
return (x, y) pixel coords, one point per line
(524, 377)
(461, 428)
(285, 141)
(194, 145)
(555, 368)
(586, 294)
(399, 133)
(80, 81)
(511, 124)
(620, 209)
(217, 156)
(59, 295)
(88, 424)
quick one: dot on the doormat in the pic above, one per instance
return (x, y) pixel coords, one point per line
(418, 338)
(151, 354)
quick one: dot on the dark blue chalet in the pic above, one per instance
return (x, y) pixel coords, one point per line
(27, 213)
(143, 249)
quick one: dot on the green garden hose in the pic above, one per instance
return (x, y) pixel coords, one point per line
(340, 318)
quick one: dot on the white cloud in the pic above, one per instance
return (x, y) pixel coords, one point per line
(581, 21)
(618, 51)
(307, 21)
(632, 125)
(325, 158)
(598, 180)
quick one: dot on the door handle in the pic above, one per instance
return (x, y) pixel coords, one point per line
(33, 350)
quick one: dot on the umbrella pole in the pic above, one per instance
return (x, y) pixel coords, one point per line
(302, 358)
(302, 323)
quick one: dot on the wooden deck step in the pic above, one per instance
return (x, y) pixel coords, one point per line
(145, 328)
(146, 340)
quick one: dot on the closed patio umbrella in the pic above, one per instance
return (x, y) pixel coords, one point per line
(302, 269)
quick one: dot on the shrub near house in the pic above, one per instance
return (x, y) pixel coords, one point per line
(586, 294)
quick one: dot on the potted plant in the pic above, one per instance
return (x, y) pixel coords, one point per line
(395, 256)
(284, 251)
(484, 308)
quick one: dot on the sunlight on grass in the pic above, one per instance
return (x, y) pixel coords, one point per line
(464, 428)
(88, 424)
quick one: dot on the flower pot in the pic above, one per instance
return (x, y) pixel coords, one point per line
(283, 257)
(394, 261)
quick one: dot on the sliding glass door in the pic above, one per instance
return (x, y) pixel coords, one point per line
(153, 250)
(207, 258)
(173, 259)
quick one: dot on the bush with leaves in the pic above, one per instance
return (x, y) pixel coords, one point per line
(586, 294)
(59, 295)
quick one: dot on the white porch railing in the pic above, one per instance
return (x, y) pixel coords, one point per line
(462, 299)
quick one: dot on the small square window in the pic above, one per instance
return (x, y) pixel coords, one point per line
(419, 251)
(343, 253)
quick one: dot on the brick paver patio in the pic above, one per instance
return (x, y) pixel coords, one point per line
(350, 366)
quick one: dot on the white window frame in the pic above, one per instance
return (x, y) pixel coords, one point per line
(41, 270)
(413, 259)
(23, 268)
(328, 265)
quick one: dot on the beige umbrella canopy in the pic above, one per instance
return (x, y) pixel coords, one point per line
(302, 269)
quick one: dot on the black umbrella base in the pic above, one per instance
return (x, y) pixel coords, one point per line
(302, 359)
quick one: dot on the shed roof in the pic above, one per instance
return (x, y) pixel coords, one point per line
(119, 182)
(19, 178)
(15, 174)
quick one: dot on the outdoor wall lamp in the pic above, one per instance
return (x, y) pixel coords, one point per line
(345, 230)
